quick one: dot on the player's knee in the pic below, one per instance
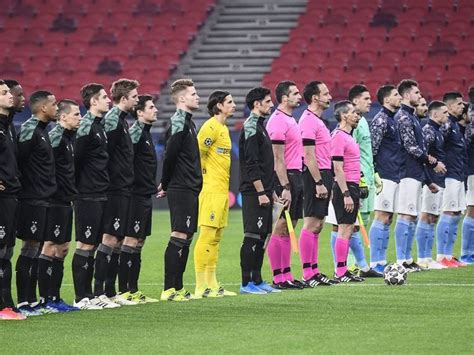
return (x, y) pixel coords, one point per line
(109, 240)
(84, 246)
(49, 249)
(30, 250)
(130, 241)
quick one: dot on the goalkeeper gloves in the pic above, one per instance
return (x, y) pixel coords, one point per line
(363, 189)
(378, 183)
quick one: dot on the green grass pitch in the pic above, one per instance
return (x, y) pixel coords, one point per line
(432, 314)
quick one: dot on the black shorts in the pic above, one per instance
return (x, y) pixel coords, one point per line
(139, 217)
(8, 221)
(256, 219)
(184, 206)
(296, 188)
(32, 219)
(88, 218)
(342, 216)
(59, 224)
(115, 215)
(313, 206)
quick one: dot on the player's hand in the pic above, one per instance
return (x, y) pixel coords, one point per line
(440, 168)
(321, 192)
(378, 183)
(432, 159)
(433, 188)
(263, 200)
(161, 193)
(348, 204)
(286, 197)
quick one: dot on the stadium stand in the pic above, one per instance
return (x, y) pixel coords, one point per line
(374, 41)
(70, 42)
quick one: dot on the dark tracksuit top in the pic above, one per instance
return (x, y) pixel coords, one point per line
(13, 133)
(255, 156)
(181, 163)
(36, 161)
(386, 145)
(456, 149)
(414, 157)
(144, 161)
(90, 158)
(63, 149)
(435, 146)
(120, 148)
(9, 173)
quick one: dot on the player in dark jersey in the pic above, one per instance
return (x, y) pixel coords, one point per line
(181, 182)
(38, 181)
(141, 206)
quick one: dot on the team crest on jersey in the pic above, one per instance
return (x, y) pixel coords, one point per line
(117, 223)
(188, 221)
(33, 227)
(137, 226)
(57, 230)
(88, 232)
(260, 222)
(212, 216)
(207, 142)
(2, 232)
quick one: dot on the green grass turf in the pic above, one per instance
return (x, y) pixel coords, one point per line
(432, 314)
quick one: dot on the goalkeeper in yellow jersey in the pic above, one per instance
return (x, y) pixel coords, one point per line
(215, 149)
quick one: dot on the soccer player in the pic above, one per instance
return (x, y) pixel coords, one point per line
(92, 181)
(9, 189)
(120, 168)
(454, 196)
(215, 149)
(431, 202)
(287, 150)
(467, 244)
(257, 187)
(317, 179)
(386, 148)
(415, 161)
(181, 182)
(38, 181)
(141, 206)
(59, 225)
(345, 153)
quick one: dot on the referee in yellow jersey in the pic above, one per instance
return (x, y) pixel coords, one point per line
(215, 149)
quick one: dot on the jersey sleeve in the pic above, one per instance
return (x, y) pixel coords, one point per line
(277, 131)
(338, 145)
(173, 148)
(207, 136)
(378, 128)
(308, 132)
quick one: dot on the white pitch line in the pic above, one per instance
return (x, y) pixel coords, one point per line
(344, 285)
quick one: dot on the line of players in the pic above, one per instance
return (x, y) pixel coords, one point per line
(115, 183)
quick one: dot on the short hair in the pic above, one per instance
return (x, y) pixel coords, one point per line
(471, 94)
(64, 106)
(122, 87)
(10, 83)
(356, 91)
(383, 92)
(451, 95)
(341, 108)
(283, 88)
(217, 97)
(312, 88)
(180, 85)
(435, 105)
(406, 85)
(38, 97)
(256, 94)
(89, 91)
(140, 106)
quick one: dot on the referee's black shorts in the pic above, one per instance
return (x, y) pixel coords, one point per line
(139, 217)
(59, 223)
(32, 219)
(88, 220)
(8, 221)
(184, 207)
(296, 189)
(342, 216)
(256, 219)
(313, 206)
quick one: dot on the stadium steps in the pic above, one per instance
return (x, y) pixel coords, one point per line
(233, 50)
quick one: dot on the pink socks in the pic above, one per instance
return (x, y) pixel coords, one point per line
(279, 254)
(341, 251)
(308, 244)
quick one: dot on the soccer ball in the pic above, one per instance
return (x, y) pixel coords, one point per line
(395, 274)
